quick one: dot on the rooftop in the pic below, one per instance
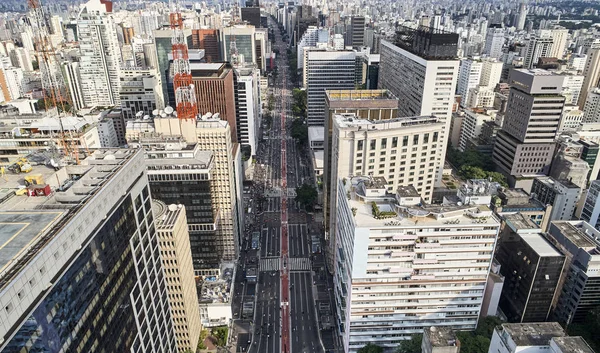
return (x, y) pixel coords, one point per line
(533, 334)
(30, 222)
(518, 222)
(165, 216)
(572, 345)
(540, 245)
(351, 121)
(407, 191)
(366, 94)
(442, 336)
(575, 235)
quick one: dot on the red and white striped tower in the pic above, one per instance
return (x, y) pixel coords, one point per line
(185, 96)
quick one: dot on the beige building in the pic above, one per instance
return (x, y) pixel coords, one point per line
(174, 243)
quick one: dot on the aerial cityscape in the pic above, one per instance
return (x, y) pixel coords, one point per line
(307, 176)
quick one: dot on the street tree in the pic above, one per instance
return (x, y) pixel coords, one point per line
(413, 345)
(371, 348)
(306, 195)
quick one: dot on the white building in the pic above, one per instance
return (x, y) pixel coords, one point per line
(559, 42)
(11, 82)
(140, 90)
(481, 97)
(563, 195)
(591, 208)
(248, 107)
(469, 74)
(472, 123)
(73, 82)
(100, 54)
(577, 62)
(401, 267)
(22, 59)
(311, 37)
(591, 109)
(412, 79)
(542, 337)
(538, 46)
(491, 72)
(572, 87)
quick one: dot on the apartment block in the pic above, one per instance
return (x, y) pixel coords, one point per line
(591, 207)
(174, 244)
(401, 268)
(140, 92)
(83, 271)
(591, 108)
(562, 195)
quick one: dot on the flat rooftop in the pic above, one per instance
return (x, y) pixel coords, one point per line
(352, 121)
(518, 221)
(540, 245)
(572, 345)
(533, 334)
(574, 234)
(18, 230)
(366, 94)
(441, 336)
(407, 191)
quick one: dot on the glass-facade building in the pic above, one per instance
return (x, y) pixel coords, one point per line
(111, 295)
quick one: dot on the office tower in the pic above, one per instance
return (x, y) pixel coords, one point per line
(100, 54)
(20, 57)
(190, 186)
(248, 108)
(528, 261)
(86, 274)
(544, 337)
(469, 74)
(326, 70)
(591, 72)
(421, 69)
(140, 92)
(357, 25)
(494, 41)
(111, 129)
(207, 39)
(525, 145)
(174, 245)
(521, 17)
(538, 46)
(562, 195)
(245, 44)
(251, 15)
(559, 42)
(384, 244)
(472, 123)
(591, 108)
(215, 92)
(311, 38)
(579, 292)
(365, 104)
(163, 45)
(261, 38)
(72, 77)
(591, 207)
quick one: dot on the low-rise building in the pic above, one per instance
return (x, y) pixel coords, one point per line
(535, 337)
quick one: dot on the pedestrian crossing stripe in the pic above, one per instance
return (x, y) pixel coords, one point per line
(299, 264)
(271, 264)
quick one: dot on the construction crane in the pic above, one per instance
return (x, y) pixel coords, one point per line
(53, 83)
(185, 96)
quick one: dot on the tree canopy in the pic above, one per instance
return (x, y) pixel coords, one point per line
(299, 131)
(588, 329)
(220, 333)
(371, 348)
(307, 196)
(413, 345)
(300, 102)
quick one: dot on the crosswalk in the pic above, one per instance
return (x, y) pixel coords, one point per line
(269, 264)
(299, 264)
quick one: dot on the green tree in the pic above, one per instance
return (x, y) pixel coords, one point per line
(471, 343)
(300, 102)
(486, 326)
(306, 195)
(203, 335)
(271, 102)
(299, 131)
(588, 329)
(220, 333)
(371, 348)
(497, 177)
(470, 172)
(62, 106)
(413, 345)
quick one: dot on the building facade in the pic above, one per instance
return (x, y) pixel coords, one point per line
(140, 90)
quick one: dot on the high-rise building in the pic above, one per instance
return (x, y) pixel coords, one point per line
(326, 70)
(357, 25)
(591, 108)
(100, 54)
(559, 42)
(562, 195)
(591, 207)
(591, 74)
(245, 44)
(469, 74)
(578, 240)
(163, 47)
(525, 145)
(248, 107)
(207, 39)
(527, 261)
(572, 88)
(140, 92)
(11, 82)
(521, 17)
(538, 46)
(85, 274)
(215, 92)
(21, 58)
(418, 260)
(73, 82)
(174, 245)
(366, 104)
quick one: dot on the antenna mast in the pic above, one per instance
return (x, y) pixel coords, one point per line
(185, 97)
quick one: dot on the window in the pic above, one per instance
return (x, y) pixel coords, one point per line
(373, 145)
(435, 137)
(383, 143)
(416, 139)
(405, 141)
(359, 145)
(394, 142)
(426, 138)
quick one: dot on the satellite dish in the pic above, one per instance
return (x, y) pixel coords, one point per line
(139, 114)
(209, 114)
(169, 110)
(146, 117)
(172, 207)
(217, 115)
(163, 115)
(110, 157)
(155, 112)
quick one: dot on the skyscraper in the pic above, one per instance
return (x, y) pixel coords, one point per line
(494, 41)
(525, 145)
(100, 54)
(591, 108)
(469, 74)
(538, 46)
(326, 70)
(521, 17)
(247, 107)
(85, 274)
(357, 24)
(591, 73)
(421, 69)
